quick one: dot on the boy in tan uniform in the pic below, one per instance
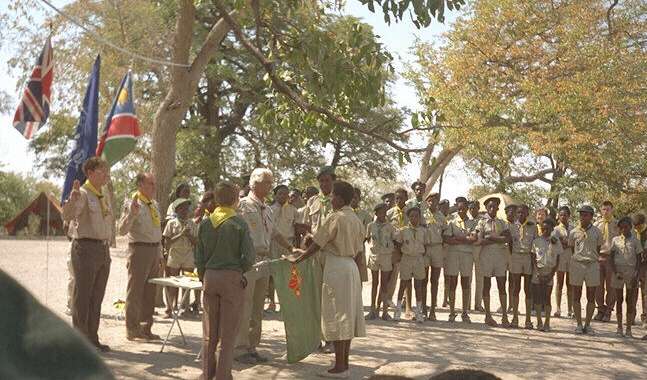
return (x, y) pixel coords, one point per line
(474, 214)
(90, 215)
(546, 251)
(397, 217)
(585, 241)
(285, 218)
(380, 236)
(435, 255)
(413, 239)
(493, 234)
(604, 297)
(523, 234)
(562, 231)
(623, 262)
(460, 237)
(418, 189)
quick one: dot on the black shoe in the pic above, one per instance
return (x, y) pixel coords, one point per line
(102, 347)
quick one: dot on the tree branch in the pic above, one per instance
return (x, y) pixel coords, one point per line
(539, 176)
(286, 90)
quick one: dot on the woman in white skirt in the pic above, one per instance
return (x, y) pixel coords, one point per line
(340, 238)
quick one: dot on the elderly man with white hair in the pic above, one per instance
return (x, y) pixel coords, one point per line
(258, 216)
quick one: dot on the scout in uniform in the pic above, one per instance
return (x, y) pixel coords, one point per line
(224, 251)
(523, 232)
(445, 210)
(585, 241)
(179, 238)
(623, 263)
(604, 296)
(141, 222)
(435, 255)
(511, 218)
(493, 234)
(260, 220)
(413, 240)
(460, 237)
(398, 218)
(285, 219)
(562, 231)
(341, 237)
(546, 254)
(475, 215)
(365, 218)
(380, 236)
(90, 215)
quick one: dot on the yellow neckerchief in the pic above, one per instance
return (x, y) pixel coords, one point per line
(206, 212)
(639, 231)
(102, 199)
(220, 214)
(432, 217)
(155, 216)
(522, 228)
(586, 235)
(325, 205)
(605, 227)
(400, 215)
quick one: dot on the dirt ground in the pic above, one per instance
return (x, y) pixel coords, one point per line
(403, 348)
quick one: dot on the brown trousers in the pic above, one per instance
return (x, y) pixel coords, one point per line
(605, 295)
(91, 266)
(249, 335)
(223, 302)
(143, 264)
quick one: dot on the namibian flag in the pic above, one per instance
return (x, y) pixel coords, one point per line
(33, 109)
(121, 129)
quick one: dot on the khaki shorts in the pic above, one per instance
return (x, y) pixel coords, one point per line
(435, 256)
(541, 272)
(520, 263)
(584, 272)
(459, 262)
(382, 263)
(412, 267)
(180, 261)
(564, 260)
(624, 277)
(493, 262)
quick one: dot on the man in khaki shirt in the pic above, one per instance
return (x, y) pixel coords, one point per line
(141, 222)
(262, 229)
(605, 295)
(90, 215)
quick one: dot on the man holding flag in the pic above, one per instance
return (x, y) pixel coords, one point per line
(89, 212)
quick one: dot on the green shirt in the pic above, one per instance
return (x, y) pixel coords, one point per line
(227, 247)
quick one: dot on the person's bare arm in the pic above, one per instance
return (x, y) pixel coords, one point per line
(302, 254)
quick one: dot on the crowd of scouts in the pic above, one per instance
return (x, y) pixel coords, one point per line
(228, 237)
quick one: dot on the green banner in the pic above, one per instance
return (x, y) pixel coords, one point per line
(299, 290)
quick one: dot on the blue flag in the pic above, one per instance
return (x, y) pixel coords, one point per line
(85, 145)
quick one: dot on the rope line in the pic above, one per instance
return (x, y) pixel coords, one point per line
(109, 43)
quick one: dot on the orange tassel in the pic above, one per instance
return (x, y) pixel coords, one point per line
(295, 281)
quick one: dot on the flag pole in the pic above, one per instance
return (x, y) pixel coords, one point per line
(47, 253)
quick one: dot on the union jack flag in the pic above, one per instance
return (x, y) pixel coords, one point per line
(33, 109)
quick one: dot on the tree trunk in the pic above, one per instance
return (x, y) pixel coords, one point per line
(432, 168)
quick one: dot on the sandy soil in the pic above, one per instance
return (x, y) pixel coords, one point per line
(403, 348)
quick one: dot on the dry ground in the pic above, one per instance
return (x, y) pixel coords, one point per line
(403, 348)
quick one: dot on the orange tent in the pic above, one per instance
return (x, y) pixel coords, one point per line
(39, 206)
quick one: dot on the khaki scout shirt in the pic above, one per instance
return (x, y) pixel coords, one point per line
(397, 217)
(364, 216)
(522, 236)
(562, 231)
(546, 253)
(460, 228)
(413, 240)
(341, 234)
(140, 228)
(626, 251)
(260, 220)
(86, 217)
(611, 229)
(317, 209)
(284, 219)
(380, 238)
(585, 243)
(182, 246)
(492, 226)
(436, 224)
